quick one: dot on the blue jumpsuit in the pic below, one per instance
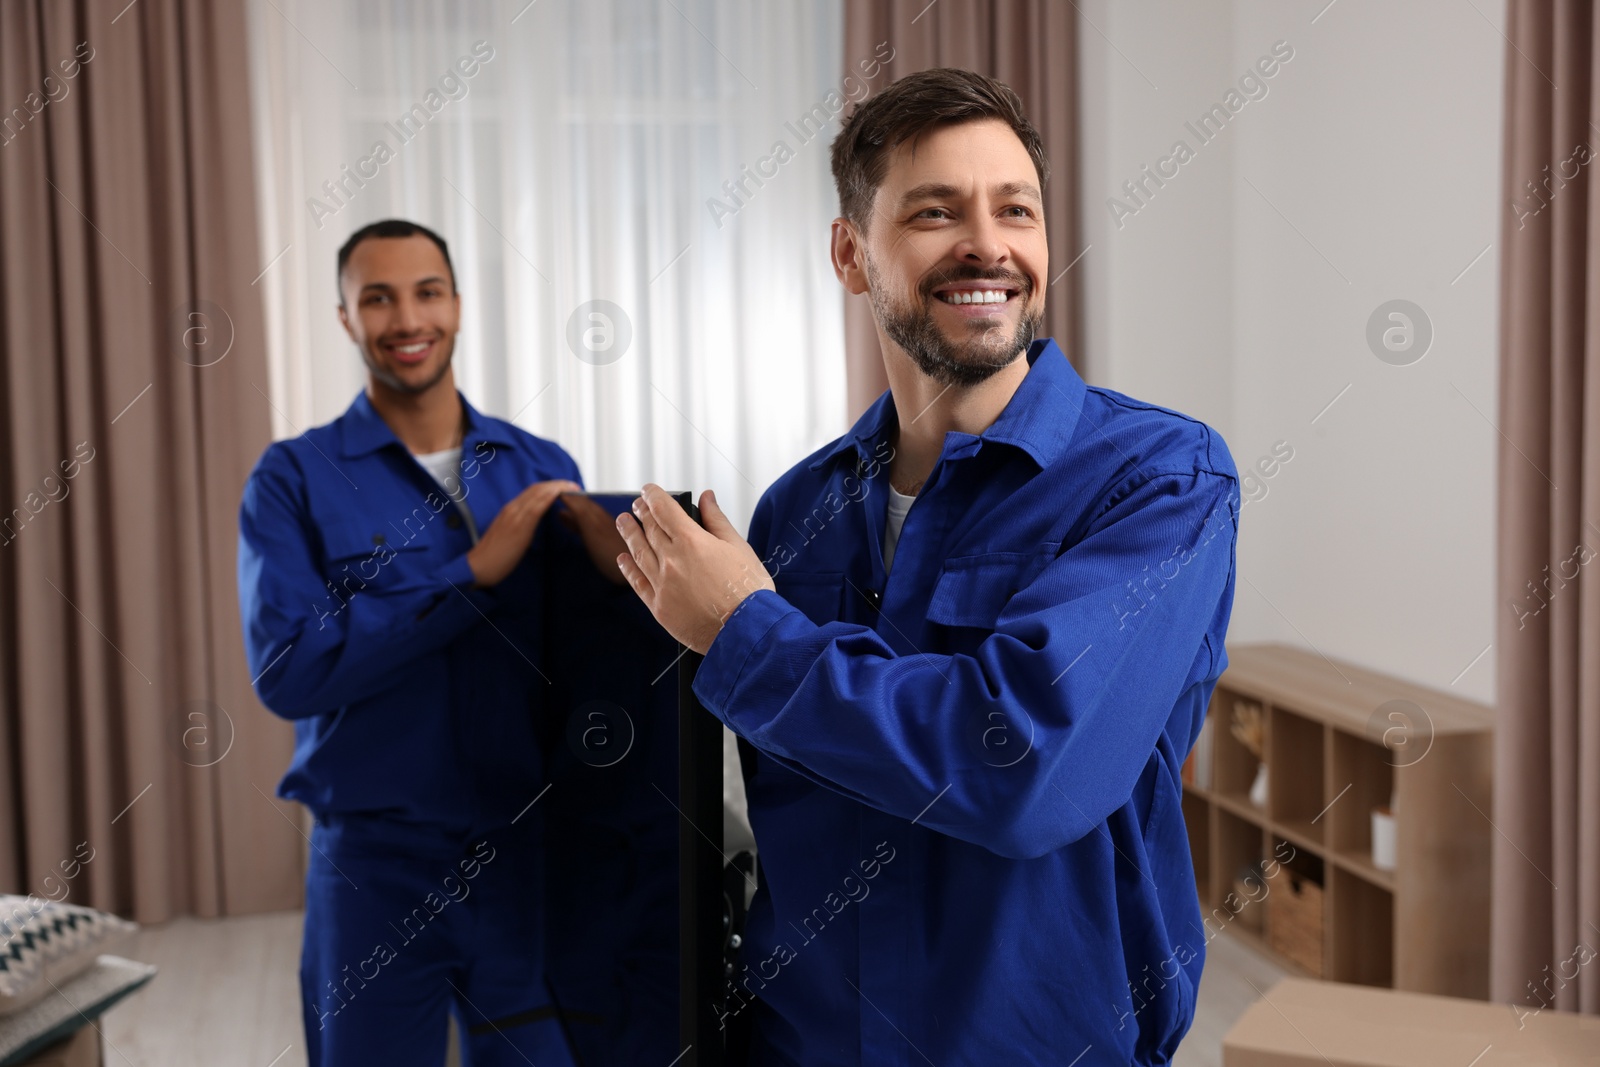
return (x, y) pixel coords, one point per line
(429, 721)
(964, 776)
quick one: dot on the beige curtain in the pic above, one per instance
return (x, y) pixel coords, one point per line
(1031, 45)
(1546, 893)
(135, 764)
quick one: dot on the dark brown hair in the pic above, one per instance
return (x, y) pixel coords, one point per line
(909, 107)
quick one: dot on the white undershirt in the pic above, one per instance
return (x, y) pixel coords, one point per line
(445, 466)
(899, 504)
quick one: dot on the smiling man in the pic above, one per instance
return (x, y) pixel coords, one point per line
(964, 692)
(391, 583)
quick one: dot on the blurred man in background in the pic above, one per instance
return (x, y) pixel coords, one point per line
(391, 578)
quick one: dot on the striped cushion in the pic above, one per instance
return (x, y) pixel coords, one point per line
(45, 942)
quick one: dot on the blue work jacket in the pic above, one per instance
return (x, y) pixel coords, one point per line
(413, 694)
(964, 777)
(454, 710)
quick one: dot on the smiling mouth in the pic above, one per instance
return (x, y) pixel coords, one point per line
(980, 295)
(411, 351)
(976, 296)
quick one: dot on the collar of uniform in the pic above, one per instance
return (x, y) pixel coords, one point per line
(868, 428)
(1039, 418)
(363, 430)
(1041, 415)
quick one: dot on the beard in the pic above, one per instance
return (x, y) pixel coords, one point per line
(400, 385)
(970, 360)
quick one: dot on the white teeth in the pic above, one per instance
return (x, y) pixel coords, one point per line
(975, 296)
(411, 350)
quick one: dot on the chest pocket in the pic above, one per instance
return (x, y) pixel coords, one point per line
(820, 596)
(973, 590)
(363, 556)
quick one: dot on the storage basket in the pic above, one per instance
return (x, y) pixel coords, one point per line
(1294, 921)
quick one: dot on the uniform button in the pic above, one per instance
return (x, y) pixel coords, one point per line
(378, 539)
(454, 522)
(874, 599)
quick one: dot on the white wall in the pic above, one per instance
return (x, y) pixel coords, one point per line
(1241, 290)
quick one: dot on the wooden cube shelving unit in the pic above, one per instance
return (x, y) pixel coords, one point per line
(1333, 753)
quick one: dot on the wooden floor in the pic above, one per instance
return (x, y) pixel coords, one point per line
(1235, 977)
(227, 992)
(228, 996)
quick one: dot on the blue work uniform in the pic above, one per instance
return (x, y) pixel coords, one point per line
(964, 775)
(423, 718)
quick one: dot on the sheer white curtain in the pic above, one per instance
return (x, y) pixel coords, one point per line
(572, 151)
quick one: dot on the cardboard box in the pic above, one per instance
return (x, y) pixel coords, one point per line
(82, 1049)
(1306, 1023)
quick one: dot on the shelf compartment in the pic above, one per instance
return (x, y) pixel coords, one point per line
(1363, 779)
(1241, 845)
(1234, 766)
(1363, 915)
(1296, 907)
(1294, 776)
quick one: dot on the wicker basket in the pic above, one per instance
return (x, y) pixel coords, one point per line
(1294, 921)
(1248, 899)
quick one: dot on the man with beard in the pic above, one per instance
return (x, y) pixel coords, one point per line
(964, 681)
(391, 571)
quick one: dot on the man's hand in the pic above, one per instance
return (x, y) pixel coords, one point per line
(599, 531)
(507, 539)
(690, 578)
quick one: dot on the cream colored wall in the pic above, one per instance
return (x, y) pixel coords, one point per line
(1240, 292)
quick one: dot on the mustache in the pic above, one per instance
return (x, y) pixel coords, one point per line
(964, 273)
